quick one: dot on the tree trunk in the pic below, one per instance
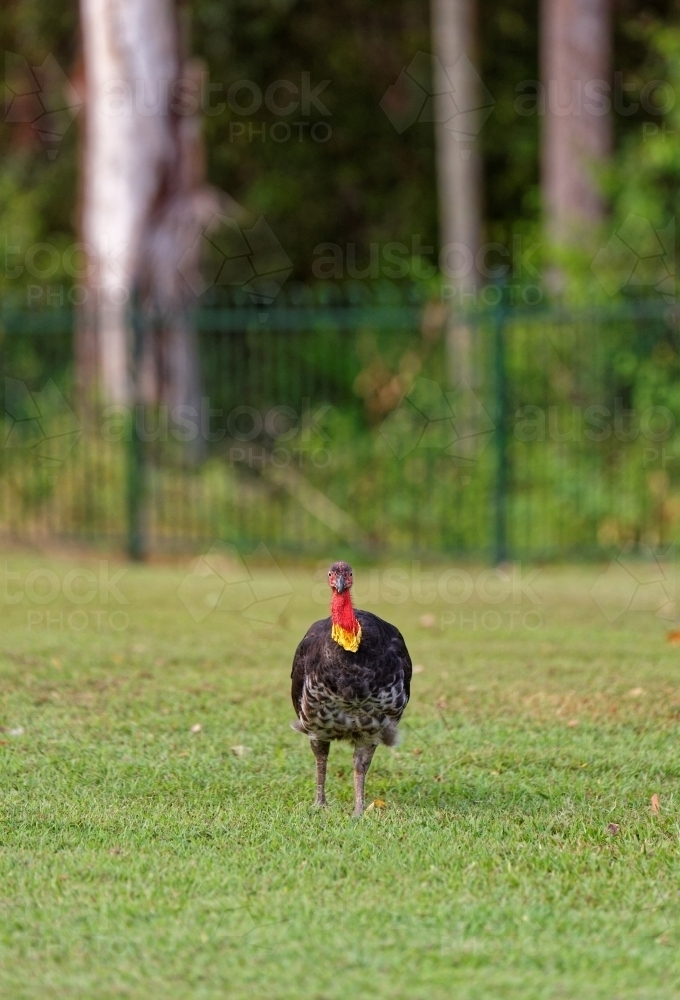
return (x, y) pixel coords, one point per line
(144, 202)
(459, 165)
(576, 71)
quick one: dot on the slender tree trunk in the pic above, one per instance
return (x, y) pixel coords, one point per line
(129, 46)
(576, 71)
(144, 201)
(459, 165)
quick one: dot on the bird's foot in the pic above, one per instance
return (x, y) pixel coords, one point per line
(358, 812)
(320, 802)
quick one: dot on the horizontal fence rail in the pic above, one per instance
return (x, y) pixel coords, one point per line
(331, 426)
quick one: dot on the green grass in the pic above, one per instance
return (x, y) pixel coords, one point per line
(141, 860)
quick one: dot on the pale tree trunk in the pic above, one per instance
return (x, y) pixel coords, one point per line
(577, 131)
(459, 165)
(144, 201)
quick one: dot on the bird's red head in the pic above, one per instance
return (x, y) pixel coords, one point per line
(340, 577)
(345, 629)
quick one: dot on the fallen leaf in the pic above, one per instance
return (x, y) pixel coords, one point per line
(655, 804)
(376, 804)
(428, 621)
(196, 728)
(442, 702)
(439, 777)
(417, 751)
(115, 850)
(636, 692)
(184, 753)
(240, 751)
(418, 669)
(17, 731)
(673, 638)
(572, 723)
(613, 828)
(55, 662)
(664, 939)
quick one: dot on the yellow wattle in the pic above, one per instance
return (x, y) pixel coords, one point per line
(348, 640)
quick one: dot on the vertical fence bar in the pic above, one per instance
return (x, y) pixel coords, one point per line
(136, 542)
(500, 505)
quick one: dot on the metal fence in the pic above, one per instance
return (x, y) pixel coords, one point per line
(339, 427)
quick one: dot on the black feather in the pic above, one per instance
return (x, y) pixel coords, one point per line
(356, 696)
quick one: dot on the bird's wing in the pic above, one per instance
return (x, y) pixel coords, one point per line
(388, 647)
(407, 666)
(298, 677)
(300, 662)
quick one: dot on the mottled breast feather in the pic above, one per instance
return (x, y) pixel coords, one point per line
(358, 696)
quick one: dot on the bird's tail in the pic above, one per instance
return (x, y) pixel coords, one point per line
(389, 734)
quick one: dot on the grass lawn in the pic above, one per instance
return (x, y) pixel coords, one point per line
(140, 859)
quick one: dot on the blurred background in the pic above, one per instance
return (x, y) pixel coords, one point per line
(352, 277)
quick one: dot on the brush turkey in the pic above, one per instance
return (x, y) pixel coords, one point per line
(351, 681)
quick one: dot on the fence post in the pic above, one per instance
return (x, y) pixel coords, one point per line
(500, 554)
(136, 542)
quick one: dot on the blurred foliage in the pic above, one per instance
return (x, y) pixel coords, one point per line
(634, 253)
(366, 183)
(38, 199)
(645, 176)
(326, 432)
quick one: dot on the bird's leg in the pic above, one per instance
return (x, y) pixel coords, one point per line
(320, 750)
(363, 755)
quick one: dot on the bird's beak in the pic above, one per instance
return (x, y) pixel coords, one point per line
(340, 584)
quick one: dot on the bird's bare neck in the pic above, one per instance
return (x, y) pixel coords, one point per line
(342, 612)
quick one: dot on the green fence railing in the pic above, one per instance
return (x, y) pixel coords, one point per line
(325, 427)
